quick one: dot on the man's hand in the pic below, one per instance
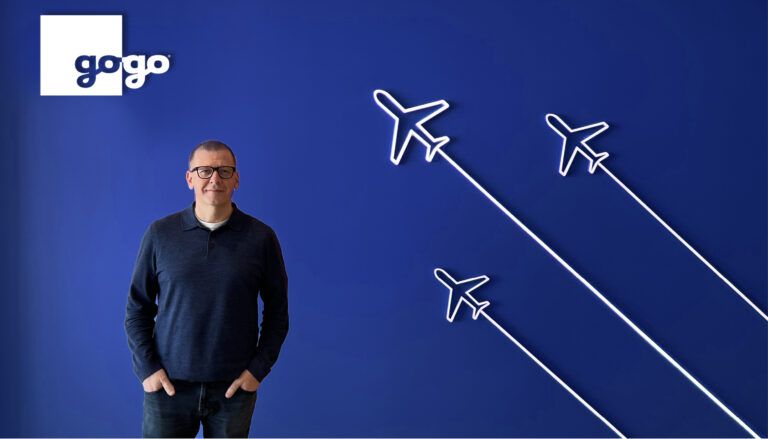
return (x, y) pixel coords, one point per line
(246, 381)
(159, 380)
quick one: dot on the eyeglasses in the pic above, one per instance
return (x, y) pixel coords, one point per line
(206, 172)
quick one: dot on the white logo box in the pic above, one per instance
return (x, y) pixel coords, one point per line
(65, 37)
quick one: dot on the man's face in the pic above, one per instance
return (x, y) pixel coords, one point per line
(214, 191)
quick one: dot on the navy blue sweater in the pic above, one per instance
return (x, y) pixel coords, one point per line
(206, 284)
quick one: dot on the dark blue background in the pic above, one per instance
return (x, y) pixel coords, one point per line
(288, 85)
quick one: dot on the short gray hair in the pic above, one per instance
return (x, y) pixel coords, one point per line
(211, 145)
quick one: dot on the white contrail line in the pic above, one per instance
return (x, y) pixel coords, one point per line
(684, 242)
(594, 291)
(553, 375)
(478, 307)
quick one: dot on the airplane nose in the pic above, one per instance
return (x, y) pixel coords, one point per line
(556, 123)
(551, 119)
(378, 95)
(387, 103)
(444, 277)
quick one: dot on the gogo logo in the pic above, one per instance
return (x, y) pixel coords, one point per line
(137, 66)
(82, 55)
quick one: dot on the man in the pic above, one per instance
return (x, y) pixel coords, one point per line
(203, 359)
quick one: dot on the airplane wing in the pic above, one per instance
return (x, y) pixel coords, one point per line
(588, 132)
(415, 116)
(457, 293)
(568, 154)
(576, 141)
(428, 110)
(409, 125)
(400, 138)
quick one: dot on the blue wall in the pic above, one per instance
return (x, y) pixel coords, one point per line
(288, 85)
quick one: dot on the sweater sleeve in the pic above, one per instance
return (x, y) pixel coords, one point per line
(141, 310)
(274, 324)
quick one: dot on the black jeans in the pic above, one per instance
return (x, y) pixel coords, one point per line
(194, 402)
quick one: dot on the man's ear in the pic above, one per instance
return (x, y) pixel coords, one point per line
(187, 177)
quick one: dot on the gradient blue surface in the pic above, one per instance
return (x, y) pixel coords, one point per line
(288, 85)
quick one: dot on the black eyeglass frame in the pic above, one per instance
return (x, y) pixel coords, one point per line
(214, 169)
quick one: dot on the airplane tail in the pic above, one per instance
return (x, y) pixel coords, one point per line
(479, 308)
(596, 161)
(432, 149)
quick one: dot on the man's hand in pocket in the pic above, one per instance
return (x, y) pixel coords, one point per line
(246, 381)
(159, 380)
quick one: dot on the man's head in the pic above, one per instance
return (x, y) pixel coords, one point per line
(212, 189)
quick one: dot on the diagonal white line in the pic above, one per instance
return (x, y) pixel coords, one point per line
(602, 298)
(553, 375)
(684, 242)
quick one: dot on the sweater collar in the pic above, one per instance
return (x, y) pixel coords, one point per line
(189, 220)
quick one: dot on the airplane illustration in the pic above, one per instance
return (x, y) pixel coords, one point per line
(409, 124)
(575, 140)
(461, 291)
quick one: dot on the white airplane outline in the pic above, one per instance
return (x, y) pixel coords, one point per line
(557, 124)
(478, 310)
(563, 130)
(417, 131)
(455, 300)
(586, 283)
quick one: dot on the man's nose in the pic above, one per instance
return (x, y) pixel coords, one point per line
(216, 178)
